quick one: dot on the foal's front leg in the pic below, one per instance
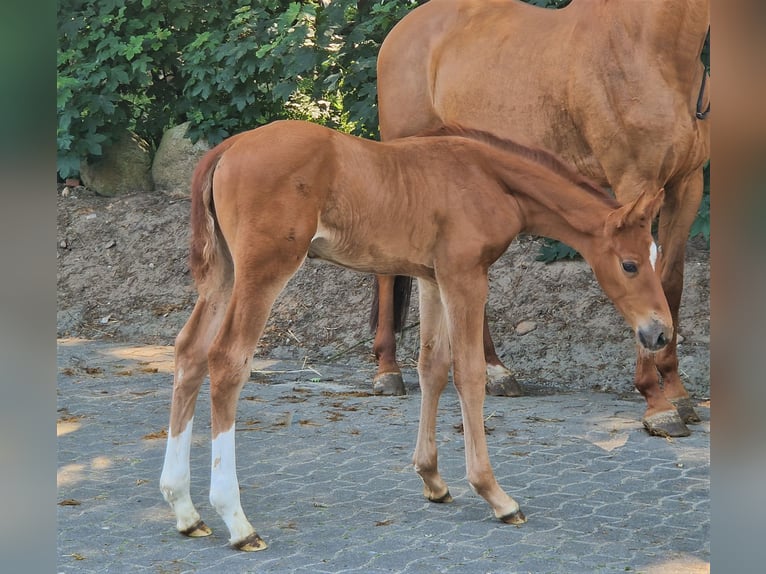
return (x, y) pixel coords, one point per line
(469, 380)
(465, 305)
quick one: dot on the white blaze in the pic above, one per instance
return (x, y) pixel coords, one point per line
(653, 254)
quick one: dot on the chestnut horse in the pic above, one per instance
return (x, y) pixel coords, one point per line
(440, 208)
(614, 87)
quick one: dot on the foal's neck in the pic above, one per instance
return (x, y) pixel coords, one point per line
(555, 206)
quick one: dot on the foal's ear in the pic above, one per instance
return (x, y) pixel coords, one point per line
(643, 209)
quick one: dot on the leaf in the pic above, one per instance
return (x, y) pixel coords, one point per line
(68, 165)
(263, 50)
(289, 15)
(553, 250)
(283, 90)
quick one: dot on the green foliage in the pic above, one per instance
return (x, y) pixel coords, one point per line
(701, 225)
(226, 66)
(552, 250)
(116, 68)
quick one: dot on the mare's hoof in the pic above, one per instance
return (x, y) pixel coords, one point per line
(388, 384)
(252, 543)
(501, 382)
(686, 410)
(666, 424)
(197, 530)
(514, 517)
(446, 497)
(507, 387)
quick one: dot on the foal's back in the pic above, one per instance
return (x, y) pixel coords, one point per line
(370, 206)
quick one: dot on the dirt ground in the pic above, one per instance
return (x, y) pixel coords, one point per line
(123, 276)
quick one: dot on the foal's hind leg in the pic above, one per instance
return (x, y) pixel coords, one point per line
(259, 281)
(191, 349)
(433, 373)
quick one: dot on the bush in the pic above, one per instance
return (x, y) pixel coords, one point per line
(226, 66)
(117, 69)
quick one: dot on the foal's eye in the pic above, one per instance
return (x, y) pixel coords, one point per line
(630, 267)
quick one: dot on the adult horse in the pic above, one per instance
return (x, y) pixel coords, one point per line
(614, 87)
(440, 208)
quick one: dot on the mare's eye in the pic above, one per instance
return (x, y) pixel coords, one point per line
(630, 267)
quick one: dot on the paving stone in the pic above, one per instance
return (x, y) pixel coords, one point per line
(326, 477)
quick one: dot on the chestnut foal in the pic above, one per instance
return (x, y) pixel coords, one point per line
(441, 208)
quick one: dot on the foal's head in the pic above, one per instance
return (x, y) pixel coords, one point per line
(627, 265)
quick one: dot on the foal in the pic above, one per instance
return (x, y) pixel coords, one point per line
(441, 208)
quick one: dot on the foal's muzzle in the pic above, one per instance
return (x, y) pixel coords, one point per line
(654, 335)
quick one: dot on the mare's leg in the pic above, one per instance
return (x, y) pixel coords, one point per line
(464, 301)
(388, 379)
(433, 374)
(670, 408)
(191, 349)
(661, 417)
(500, 380)
(676, 218)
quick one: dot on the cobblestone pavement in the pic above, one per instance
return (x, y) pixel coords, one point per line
(327, 481)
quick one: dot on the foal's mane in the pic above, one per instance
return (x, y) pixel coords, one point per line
(538, 155)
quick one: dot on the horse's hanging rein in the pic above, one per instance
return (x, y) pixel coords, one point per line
(700, 114)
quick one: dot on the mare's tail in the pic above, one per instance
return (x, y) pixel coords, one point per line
(402, 293)
(210, 259)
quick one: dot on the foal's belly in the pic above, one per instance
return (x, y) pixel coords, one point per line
(367, 256)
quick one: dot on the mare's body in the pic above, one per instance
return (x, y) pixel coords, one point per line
(614, 87)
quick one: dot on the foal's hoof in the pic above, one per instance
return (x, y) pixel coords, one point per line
(514, 517)
(252, 543)
(197, 530)
(686, 410)
(388, 384)
(666, 424)
(502, 383)
(446, 497)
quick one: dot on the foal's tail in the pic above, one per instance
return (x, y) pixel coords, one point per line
(210, 258)
(402, 293)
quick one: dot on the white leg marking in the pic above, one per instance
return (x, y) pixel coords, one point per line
(224, 487)
(175, 479)
(653, 254)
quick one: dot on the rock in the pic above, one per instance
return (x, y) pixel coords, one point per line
(525, 327)
(125, 167)
(175, 159)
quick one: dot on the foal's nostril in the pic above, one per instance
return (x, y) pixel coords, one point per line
(653, 337)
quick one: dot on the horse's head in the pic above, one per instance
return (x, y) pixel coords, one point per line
(628, 266)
